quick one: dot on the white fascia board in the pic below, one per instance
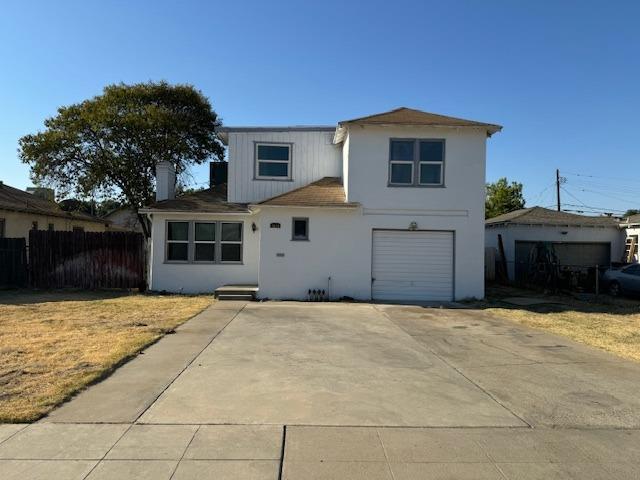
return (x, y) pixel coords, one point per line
(416, 212)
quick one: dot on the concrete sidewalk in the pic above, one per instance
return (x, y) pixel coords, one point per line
(225, 452)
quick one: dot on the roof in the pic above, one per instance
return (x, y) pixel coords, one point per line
(544, 216)
(17, 200)
(326, 192)
(210, 200)
(632, 219)
(223, 132)
(411, 116)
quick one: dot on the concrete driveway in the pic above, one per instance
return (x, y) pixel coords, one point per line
(333, 391)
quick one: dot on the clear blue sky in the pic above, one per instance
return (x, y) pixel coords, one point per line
(562, 77)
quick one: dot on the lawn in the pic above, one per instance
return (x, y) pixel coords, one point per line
(604, 322)
(54, 344)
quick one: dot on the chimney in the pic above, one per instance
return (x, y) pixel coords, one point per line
(217, 173)
(165, 181)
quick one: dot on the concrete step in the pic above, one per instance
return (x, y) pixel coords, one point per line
(236, 292)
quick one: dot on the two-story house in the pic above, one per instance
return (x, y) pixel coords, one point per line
(384, 207)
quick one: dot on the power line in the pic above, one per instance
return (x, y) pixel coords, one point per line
(602, 177)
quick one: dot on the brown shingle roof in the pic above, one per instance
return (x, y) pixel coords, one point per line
(410, 116)
(544, 216)
(632, 219)
(17, 200)
(326, 192)
(211, 200)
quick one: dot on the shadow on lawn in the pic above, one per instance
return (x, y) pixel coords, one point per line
(500, 296)
(32, 297)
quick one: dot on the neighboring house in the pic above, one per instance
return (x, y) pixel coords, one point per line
(21, 211)
(384, 207)
(631, 226)
(576, 240)
(123, 219)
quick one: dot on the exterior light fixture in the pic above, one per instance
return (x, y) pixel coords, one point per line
(254, 227)
(413, 226)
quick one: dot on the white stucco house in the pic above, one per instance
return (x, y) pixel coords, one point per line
(631, 226)
(384, 207)
(577, 241)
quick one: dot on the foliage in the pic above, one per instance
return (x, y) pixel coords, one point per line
(502, 197)
(110, 145)
(98, 209)
(631, 211)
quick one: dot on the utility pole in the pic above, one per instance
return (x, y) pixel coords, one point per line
(558, 187)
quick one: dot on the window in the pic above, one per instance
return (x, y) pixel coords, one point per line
(51, 227)
(273, 161)
(2, 226)
(34, 225)
(231, 242)
(300, 229)
(416, 162)
(178, 241)
(78, 229)
(207, 242)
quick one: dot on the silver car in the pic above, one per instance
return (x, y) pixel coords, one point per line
(623, 280)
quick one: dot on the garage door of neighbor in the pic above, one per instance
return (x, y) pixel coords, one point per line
(412, 265)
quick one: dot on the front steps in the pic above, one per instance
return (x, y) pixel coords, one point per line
(236, 292)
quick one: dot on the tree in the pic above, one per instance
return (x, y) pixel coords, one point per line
(502, 197)
(110, 145)
(631, 211)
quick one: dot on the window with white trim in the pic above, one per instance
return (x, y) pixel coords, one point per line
(273, 161)
(203, 242)
(416, 162)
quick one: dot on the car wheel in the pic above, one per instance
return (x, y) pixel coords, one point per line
(614, 289)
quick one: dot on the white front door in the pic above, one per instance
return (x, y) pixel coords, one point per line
(412, 265)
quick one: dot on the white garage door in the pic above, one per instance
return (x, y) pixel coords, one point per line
(412, 265)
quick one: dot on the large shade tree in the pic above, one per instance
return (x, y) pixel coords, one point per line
(110, 145)
(503, 197)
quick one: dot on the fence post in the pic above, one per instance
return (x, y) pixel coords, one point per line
(597, 280)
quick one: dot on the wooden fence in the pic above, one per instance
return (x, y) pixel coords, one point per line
(13, 263)
(86, 260)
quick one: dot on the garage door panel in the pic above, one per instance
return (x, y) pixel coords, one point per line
(412, 265)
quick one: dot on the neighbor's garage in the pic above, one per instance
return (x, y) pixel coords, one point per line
(412, 265)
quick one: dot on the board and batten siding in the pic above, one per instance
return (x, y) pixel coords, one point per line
(314, 156)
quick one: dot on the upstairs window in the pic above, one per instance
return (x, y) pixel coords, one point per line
(273, 161)
(416, 162)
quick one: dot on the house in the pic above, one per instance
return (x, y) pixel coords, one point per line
(21, 211)
(384, 207)
(577, 241)
(123, 219)
(631, 226)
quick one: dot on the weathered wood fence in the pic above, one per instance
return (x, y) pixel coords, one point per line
(13, 263)
(86, 259)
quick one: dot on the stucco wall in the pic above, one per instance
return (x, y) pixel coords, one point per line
(201, 278)
(514, 233)
(340, 247)
(18, 224)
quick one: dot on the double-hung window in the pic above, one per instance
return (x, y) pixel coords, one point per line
(273, 161)
(178, 241)
(416, 162)
(204, 242)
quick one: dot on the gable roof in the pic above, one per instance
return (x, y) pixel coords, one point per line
(210, 200)
(411, 116)
(544, 216)
(17, 200)
(326, 192)
(632, 219)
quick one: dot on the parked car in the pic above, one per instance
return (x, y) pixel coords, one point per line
(623, 280)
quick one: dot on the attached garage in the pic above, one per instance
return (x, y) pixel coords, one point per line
(412, 265)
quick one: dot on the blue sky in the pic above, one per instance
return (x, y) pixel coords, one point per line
(562, 77)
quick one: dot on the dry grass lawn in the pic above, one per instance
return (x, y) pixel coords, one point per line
(607, 323)
(54, 344)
